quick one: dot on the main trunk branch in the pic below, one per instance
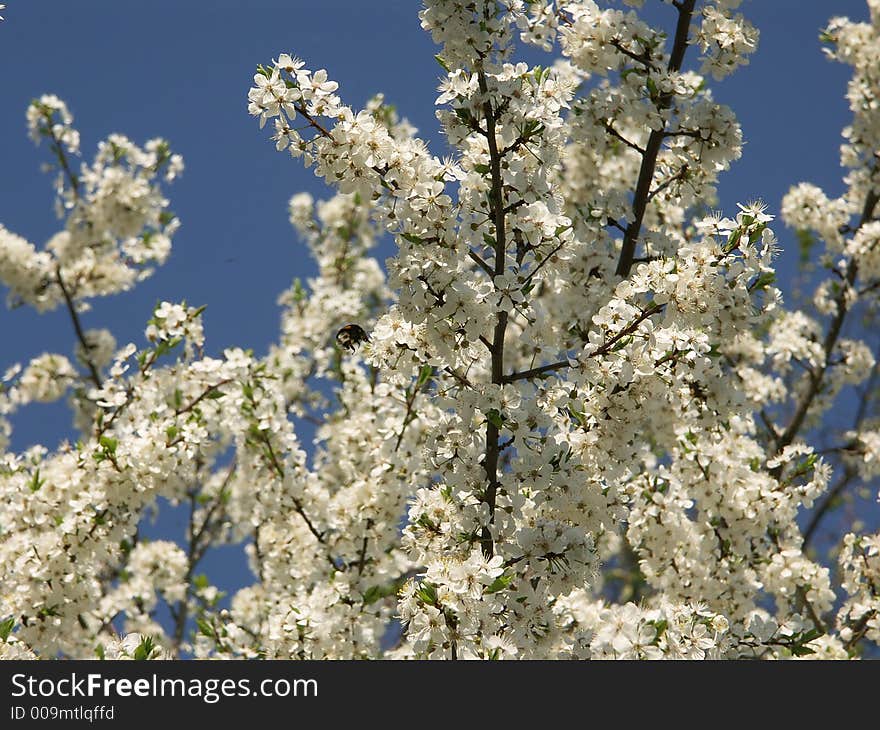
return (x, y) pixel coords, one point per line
(498, 212)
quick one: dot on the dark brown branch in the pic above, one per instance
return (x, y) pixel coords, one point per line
(859, 630)
(768, 424)
(205, 394)
(279, 471)
(817, 375)
(195, 552)
(68, 297)
(652, 149)
(490, 463)
(362, 558)
(814, 617)
(77, 326)
(849, 473)
(182, 613)
(614, 224)
(643, 58)
(617, 135)
(479, 262)
(601, 350)
(324, 133)
(680, 175)
(458, 376)
(62, 158)
(801, 595)
(408, 416)
(541, 264)
(826, 504)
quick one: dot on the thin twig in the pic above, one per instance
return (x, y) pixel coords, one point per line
(602, 350)
(77, 326)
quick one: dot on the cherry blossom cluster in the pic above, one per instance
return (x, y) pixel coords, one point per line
(540, 448)
(581, 423)
(117, 222)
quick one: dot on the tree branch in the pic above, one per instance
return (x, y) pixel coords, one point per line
(817, 375)
(490, 464)
(77, 326)
(826, 504)
(601, 350)
(652, 149)
(479, 262)
(617, 135)
(849, 473)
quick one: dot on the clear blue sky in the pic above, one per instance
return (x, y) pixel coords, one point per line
(181, 69)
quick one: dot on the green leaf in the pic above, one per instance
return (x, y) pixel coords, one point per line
(372, 594)
(424, 375)
(412, 238)
(205, 628)
(427, 594)
(580, 417)
(109, 445)
(299, 293)
(482, 169)
(733, 241)
(6, 627)
(800, 650)
(145, 649)
(763, 281)
(376, 593)
(427, 523)
(35, 482)
(165, 347)
(495, 417)
(439, 59)
(806, 241)
(499, 584)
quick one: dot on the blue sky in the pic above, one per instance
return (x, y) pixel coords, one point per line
(182, 70)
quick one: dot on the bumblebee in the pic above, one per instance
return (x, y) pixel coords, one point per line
(350, 336)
